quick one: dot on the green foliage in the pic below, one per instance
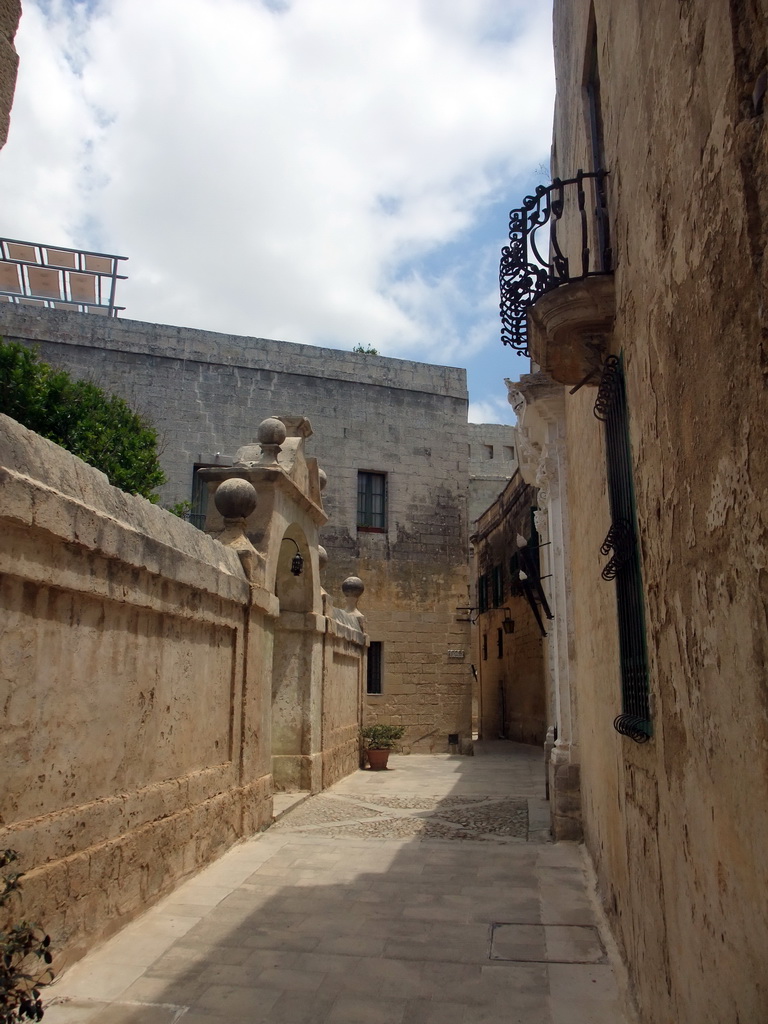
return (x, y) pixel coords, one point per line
(381, 737)
(22, 947)
(366, 350)
(180, 509)
(99, 428)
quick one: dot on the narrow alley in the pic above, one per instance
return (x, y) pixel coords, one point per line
(428, 892)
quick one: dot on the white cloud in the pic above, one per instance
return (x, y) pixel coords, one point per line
(285, 170)
(492, 410)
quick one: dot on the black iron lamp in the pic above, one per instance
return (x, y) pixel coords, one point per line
(508, 623)
(297, 562)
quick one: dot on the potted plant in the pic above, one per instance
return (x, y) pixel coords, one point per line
(378, 740)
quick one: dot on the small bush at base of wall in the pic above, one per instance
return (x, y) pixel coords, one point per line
(22, 948)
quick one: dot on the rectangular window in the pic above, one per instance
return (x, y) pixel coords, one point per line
(500, 641)
(624, 564)
(372, 501)
(485, 647)
(374, 668)
(498, 586)
(199, 505)
(482, 593)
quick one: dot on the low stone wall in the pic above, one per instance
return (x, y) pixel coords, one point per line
(135, 678)
(343, 678)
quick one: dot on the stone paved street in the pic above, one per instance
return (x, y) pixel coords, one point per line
(429, 892)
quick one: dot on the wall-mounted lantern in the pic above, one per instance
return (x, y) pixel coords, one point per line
(297, 562)
(508, 623)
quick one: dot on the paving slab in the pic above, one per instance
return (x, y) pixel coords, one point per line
(428, 892)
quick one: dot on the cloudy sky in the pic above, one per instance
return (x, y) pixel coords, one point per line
(334, 172)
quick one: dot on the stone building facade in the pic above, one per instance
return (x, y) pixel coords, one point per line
(510, 619)
(492, 463)
(645, 429)
(392, 437)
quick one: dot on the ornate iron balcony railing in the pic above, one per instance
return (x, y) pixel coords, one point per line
(581, 250)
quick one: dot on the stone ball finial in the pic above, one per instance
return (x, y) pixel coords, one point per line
(271, 431)
(322, 556)
(353, 586)
(271, 434)
(235, 498)
(323, 478)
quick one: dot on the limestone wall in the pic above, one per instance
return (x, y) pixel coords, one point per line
(678, 827)
(492, 461)
(136, 667)
(10, 12)
(207, 393)
(342, 701)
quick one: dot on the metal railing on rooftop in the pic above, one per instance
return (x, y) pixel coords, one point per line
(59, 278)
(555, 220)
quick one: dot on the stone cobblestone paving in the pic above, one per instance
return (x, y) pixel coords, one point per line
(395, 828)
(444, 819)
(423, 803)
(502, 818)
(322, 809)
(419, 828)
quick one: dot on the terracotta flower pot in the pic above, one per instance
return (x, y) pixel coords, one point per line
(377, 759)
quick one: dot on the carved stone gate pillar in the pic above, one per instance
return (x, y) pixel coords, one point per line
(539, 405)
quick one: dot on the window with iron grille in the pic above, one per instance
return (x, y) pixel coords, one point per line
(482, 593)
(199, 505)
(374, 668)
(500, 642)
(624, 564)
(371, 501)
(485, 647)
(498, 586)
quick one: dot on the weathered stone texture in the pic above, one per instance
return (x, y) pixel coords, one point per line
(136, 670)
(342, 707)
(207, 393)
(492, 462)
(121, 676)
(10, 12)
(678, 827)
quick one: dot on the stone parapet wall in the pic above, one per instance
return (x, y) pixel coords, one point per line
(136, 662)
(189, 345)
(122, 675)
(343, 701)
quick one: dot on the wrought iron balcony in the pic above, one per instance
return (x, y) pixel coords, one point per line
(568, 221)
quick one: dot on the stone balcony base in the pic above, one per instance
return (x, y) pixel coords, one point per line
(569, 329)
